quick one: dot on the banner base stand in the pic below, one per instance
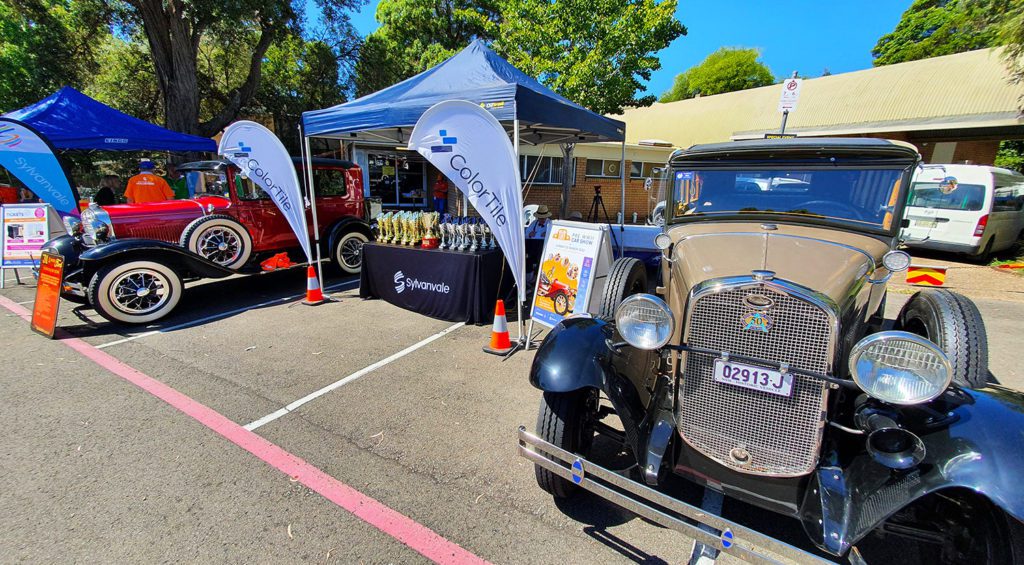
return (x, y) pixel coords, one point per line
(521, 345)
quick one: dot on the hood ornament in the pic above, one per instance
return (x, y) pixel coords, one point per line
(762, 275)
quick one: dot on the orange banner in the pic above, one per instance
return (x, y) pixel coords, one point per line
(926, 276)
(44, 310)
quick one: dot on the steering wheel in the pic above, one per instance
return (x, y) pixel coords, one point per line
(853, 212)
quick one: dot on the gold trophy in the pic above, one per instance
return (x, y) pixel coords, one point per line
(429, 238)
(396, 228)
(416, 237)
(384, 225)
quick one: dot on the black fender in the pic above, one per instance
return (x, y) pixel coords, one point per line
(588, 353)
(343, 226)
(982, 450)
(68, 247)
(179, 258)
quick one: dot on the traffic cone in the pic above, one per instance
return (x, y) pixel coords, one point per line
(314, 295)
(500, 344)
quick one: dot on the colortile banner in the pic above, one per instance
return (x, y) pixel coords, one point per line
(468, 145)
(31, 159)
(262, 158)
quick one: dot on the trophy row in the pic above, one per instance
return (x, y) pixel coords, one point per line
(430, 230)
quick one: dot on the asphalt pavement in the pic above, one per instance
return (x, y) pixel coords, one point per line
(99, 469)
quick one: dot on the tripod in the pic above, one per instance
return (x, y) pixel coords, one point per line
(597, 201)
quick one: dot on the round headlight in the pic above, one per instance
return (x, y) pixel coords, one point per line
(73, 226)
(900, 367)
(896, 261)
(662, 241)
(644, 321)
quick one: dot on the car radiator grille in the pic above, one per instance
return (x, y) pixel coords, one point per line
(781, 434)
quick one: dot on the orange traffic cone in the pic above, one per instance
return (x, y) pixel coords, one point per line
(500, 344)
(314, 295)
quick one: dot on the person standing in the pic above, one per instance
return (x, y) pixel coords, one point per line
(538, 229)
(105, 195)
(440, 193)
(146, 186)
(177, 182)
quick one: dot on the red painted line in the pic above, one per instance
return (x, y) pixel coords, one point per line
(416, 536)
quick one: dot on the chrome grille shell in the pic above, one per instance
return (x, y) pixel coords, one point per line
(781, 436)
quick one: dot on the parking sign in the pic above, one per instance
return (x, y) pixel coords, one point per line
(790, 94)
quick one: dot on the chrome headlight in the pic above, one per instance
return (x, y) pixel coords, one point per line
(900, 367)
(97, 225)
(896, 261)
(73, 226)
(644, 321)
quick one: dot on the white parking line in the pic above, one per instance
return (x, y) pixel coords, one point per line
(361, 372)
(218, 316)
(25, 302)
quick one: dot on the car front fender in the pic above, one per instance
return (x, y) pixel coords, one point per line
(176, 256)
(345, 225)
(981, 451)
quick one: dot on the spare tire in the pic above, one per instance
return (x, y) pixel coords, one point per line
(952, 322)
(626, 277)
(218, 238)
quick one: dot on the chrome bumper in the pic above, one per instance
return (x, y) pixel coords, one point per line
(660, 508)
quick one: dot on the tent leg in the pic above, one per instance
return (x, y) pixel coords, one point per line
(622, 217)
(312, 202)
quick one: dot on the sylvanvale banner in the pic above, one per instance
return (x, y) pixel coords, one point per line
(30, 158)
(468, 145)
(263, 159)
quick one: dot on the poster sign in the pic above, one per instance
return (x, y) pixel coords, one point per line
(567, 269)
(44, 310)
(790, 94)
(26, 229)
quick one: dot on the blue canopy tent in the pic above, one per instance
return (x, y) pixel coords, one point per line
(531, 112)
(72, 120)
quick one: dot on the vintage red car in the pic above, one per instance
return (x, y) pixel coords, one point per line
(128, 261)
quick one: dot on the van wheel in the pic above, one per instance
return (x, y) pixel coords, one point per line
(218, 238)
(566, 419)
(986, 254)
(348, 251)
(135, 292)
(952, 322)
(626, 277)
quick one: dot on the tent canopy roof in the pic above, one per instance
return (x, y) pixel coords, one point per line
(475, 74)
(72, 120)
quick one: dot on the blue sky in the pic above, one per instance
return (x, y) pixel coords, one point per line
(795, 35)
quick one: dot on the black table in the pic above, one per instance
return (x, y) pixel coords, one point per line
(443, 284)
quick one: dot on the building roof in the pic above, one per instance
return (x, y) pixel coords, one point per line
(968, 90)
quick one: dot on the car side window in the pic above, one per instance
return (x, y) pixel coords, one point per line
(1008, 198)
(329, 182)
(248, 190)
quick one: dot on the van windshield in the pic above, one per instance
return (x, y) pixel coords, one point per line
(965, 197)
(863, 197)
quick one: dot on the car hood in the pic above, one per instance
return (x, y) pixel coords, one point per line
(827, 261)
(167, 208)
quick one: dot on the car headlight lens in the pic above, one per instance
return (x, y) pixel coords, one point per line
(73, 226)
(97, 225)
(896, 261)
(644, 321)
(900, 367)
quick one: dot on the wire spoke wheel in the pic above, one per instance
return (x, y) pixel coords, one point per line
(140, 292)
(351, 252)
(348, 251)
(220, 245)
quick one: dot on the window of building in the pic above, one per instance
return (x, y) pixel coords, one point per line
(603, 168)
(549, 169)
(643, 170)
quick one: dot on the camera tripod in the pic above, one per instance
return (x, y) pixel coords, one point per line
(597, 201)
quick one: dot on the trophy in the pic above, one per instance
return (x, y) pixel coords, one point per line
(396, 227)
(460, 231)
(430, 240)
(417, 236)
(474, 229)
(488, 242)
(442, 232)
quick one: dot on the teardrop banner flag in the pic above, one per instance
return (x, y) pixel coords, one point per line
(27, 155)
(262, 158)
(470, 147)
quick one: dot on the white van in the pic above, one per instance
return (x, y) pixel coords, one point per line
(970, 209)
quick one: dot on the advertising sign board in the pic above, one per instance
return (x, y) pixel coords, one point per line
(25, 229)
(575, 256)
(44, 309)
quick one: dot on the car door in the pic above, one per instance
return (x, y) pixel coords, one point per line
(267, 225)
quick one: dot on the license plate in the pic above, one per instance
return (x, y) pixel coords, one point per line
(754, 378)
(927, 223)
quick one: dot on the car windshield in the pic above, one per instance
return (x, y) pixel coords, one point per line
(864, 197)
(947, 196)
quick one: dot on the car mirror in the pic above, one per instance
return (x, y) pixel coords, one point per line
(663, 242)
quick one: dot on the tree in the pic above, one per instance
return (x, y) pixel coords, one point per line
(1011, 155)
(44, 45)
(726, 70)
(595, 53)
(930, 28)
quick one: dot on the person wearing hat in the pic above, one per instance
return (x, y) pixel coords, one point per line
(146, 186)
(538, 228)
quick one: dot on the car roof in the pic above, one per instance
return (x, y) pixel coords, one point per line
(220, 164)
(806, 147)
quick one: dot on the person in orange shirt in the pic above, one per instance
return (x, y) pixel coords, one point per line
(146, 186)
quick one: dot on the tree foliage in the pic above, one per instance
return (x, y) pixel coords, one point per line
(930, 28)
(726, 70)
(593, 52)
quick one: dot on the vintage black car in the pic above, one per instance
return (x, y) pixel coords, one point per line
(763, 369)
